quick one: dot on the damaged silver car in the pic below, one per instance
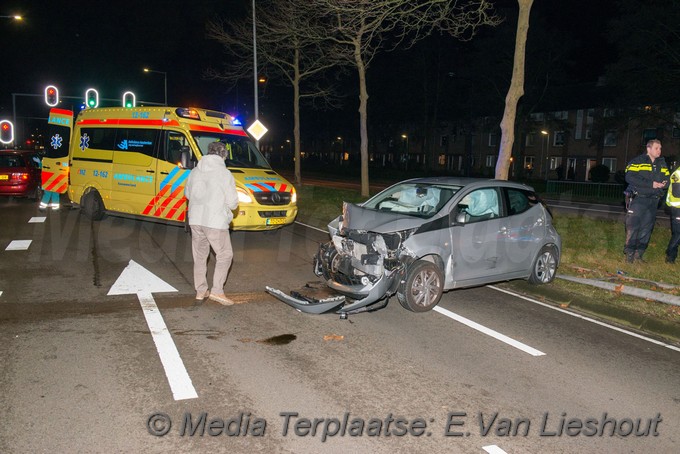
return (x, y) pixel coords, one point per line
(421, 237)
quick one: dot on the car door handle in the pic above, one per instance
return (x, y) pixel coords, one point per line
(165, 173)
(150, 171)
(46, 167)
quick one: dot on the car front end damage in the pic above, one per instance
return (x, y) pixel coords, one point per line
(360, 267)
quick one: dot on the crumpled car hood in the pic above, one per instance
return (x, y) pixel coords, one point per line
(355, 217)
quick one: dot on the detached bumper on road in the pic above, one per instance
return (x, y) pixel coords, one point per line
(307, 304)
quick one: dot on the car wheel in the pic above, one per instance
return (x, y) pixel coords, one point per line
(544, 267)
(423, 287)
(92, 205)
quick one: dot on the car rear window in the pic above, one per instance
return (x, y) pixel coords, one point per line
(11, 161)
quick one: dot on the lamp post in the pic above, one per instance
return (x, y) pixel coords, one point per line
(544, 164)
(165, 82)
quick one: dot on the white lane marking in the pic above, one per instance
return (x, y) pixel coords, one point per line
(588, 319)
(18, 245)
(137, 280)
(493, 449)
(489, 332)
(178, 377)
(0, 292)
(37, 219)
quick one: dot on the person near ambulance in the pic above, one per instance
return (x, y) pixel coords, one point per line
(211, 193)
(673, 201)
(647, 176)
(50, 198)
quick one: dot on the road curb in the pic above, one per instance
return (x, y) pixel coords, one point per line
(666, 330)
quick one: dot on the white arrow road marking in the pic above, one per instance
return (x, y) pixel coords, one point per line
(493, 449)
(135, 279)
(18, 245)
(488, 331)
(37, 219)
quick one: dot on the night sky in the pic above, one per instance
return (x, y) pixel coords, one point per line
(77, 45)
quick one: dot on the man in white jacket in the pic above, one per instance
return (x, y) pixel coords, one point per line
(212, 196)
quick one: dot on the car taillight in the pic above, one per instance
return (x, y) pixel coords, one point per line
(21, 176)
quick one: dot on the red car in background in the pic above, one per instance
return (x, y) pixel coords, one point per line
(20, 174)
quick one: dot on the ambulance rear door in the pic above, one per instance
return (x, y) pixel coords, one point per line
(55, 164)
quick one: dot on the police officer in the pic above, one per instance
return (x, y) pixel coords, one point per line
(647, 176)
(673, 201)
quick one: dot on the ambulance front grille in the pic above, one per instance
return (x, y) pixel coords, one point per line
(272, 198)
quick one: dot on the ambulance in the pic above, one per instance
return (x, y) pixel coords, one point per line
(135, 162)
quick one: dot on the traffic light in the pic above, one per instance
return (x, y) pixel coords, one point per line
(6, 132)
(129, 99)
(51, 95)
(91, 98)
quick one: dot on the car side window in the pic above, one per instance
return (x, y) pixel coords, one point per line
(480, 205)
(518, 201)
(173, 144)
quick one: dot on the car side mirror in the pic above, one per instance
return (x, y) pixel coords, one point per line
(185, 158)
(461, 218)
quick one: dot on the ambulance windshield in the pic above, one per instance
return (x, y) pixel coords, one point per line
(241, 151)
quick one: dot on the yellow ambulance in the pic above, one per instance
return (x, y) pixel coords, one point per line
(135, 161)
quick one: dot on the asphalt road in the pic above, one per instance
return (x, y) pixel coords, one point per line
(85, 371)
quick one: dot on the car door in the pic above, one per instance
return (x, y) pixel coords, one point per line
(476, 226)
(523, 231)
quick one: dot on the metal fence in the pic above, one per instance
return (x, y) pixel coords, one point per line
(575, 190)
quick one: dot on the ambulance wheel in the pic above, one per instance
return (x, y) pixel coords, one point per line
(92, 205)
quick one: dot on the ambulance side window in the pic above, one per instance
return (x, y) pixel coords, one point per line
(97, 138)
(59, 137)
(134, 140)
(172, 146)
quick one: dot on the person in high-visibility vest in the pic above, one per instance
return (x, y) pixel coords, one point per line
(647, 176)
(673, 201)
(49, 198)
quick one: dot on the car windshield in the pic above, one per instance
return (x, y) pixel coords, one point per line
(415, 199)
(241, 151)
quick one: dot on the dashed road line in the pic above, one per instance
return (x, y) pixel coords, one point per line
(18, 245)
(488, 331)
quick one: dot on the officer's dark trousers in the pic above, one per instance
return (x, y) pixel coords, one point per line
(672, 249)
(639, 224)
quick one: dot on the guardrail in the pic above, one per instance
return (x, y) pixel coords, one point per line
(576, 190)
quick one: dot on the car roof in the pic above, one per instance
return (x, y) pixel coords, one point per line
(468, 182)
(19, 151)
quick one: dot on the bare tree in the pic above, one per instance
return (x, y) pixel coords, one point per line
(289, 42)
(362, 28)
(515, 92)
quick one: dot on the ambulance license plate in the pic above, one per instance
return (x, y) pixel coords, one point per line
(276, 221)
(4, 177)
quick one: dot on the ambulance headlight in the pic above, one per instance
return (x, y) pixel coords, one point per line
(243, 196)
(293, 196)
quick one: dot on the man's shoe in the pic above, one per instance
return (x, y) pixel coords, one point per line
(630, 258)
(200, 296)
(222, 299)
(638, 258)
(54, 206)
(670, 260)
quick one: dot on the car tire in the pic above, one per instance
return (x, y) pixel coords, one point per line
(423, 287)
(545, 266)
(92, 205)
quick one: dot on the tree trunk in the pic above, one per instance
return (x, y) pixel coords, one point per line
(515, 92)
(363, 116)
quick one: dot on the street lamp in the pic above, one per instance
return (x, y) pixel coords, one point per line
(405, 136)
(165, 81)
(12, 17)
(544, 164)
